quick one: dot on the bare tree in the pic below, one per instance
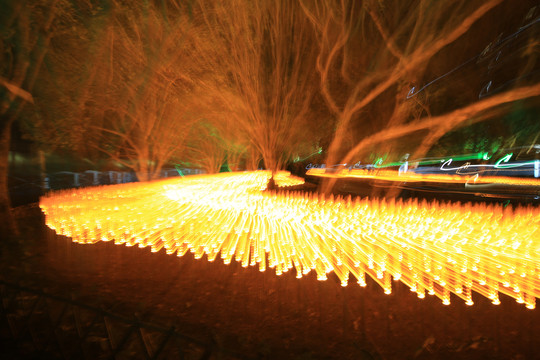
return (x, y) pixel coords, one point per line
(411, 34)
(205, 148)
(142, 114)
(232, 140)
(53, 122)
(446, 122)
(121, 83)
(236, 152)
(27, 29)
(266, 76)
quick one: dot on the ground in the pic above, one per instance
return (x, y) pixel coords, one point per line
(261, 315)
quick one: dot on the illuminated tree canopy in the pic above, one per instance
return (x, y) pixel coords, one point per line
(141, 83)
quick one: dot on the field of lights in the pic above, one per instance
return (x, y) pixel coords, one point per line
(434, 248)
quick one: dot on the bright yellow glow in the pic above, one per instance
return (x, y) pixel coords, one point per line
(434, 248)
(391, 175)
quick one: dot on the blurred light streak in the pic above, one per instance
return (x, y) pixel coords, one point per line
(392, 175)
(434, 248)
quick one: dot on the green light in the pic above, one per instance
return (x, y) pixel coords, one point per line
(298, 159)
(177, 167)
(378, 165)
(225, 167)
(475, 156)
(505, 159)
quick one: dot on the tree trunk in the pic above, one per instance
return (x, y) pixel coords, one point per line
(420, 152)
(8, 226)
(332, 158)
(252, 162)
(233, 160)
(271, 162)
(44, 180)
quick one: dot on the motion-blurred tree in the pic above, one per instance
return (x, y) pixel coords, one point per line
(26, 30)
(54, 123)
(263, 61)
(151, 95)
(126, 84)
(410, 35)
(205, 148)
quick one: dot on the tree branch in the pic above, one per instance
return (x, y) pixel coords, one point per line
(447, 121)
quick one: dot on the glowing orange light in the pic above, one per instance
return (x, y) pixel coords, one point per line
(391, 175)
(433, 248)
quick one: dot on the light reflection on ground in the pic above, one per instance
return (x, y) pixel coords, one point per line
(433, 248)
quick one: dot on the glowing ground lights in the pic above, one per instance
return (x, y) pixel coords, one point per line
(433, 248)
(391, 175)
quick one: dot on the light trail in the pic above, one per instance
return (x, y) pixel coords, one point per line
(434, 248)
(392, 175)
(446, 162)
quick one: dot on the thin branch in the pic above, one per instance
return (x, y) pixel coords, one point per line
(449, 120)
(113, 156)
(392, 47)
